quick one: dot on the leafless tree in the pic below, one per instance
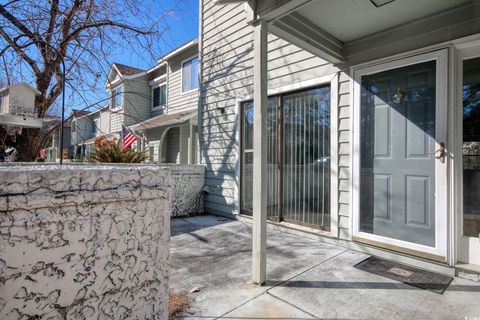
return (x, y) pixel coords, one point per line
(37, 35)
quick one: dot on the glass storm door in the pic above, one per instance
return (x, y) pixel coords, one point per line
(400, 167)
(468, 68)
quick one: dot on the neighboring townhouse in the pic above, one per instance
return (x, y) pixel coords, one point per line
(17, 106)
(86, 128)
(159, 105)
(171, 131)
(53, 150)
(359, 138)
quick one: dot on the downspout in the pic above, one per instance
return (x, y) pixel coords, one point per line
(167, 83)
(200, 81)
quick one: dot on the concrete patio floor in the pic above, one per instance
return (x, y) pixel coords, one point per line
(307, 279)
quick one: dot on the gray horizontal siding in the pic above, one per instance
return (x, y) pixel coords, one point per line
(227, 75)
(179, 101)
(137, 100)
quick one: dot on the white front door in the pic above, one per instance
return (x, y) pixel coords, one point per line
(400, 131)
(468, 151)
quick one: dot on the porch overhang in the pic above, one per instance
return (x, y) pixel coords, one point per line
(163, 120)
(344, 33)
(353, 31)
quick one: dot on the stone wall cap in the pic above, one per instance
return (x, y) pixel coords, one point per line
(28, 166)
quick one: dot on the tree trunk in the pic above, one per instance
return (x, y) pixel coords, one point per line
(29, 143)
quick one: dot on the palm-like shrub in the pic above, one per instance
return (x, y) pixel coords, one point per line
(109, 151)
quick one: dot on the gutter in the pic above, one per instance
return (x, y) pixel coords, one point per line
(200, 81)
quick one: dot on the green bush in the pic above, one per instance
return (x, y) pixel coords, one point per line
(108, 151)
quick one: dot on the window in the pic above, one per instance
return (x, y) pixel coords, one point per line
(95, 127)
(116, 98)
(190, 75)
(298, 158)
(471, 147)
(159, 99)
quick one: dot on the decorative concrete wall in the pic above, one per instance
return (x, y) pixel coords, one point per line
(187, 189)
(84, 242)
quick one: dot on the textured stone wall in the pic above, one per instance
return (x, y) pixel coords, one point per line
(187, 189)
(84, 242)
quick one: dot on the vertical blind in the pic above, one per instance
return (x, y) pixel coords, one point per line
(298, 157)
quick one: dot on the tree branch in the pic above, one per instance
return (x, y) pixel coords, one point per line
(20, 52)
(53, 19)
(17, 23)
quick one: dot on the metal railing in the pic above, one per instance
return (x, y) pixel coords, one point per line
(26, 111)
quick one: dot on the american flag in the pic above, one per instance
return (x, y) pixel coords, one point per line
(128, 138)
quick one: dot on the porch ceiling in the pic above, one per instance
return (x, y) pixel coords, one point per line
(349, 20)
(338, 30)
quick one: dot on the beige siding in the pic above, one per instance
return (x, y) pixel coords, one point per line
(227, 76)
(179, 101)
(184, 135)
(116, 121)
(81, 127)
(105, 121)
(136, 100)
(153, 137)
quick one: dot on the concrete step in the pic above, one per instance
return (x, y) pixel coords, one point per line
(468, 271)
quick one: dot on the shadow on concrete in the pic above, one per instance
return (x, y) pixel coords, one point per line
(361, 285)
(182, 225)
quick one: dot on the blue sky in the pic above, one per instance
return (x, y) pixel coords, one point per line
(181, 25)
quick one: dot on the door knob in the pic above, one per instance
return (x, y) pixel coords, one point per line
(441, 153)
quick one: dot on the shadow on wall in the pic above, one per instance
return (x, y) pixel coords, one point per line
(225, 80)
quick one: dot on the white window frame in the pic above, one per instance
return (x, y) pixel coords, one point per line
(181, 73)
(120, 87)
(464, 245)
(153, 87)
(331, 80)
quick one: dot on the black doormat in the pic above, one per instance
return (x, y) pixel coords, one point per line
(410, 275)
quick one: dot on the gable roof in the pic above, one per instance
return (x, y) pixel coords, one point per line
(123, 71)
(127, 70)
(79, 113)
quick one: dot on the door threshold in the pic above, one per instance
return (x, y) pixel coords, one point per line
(468, 271)
(292, 228)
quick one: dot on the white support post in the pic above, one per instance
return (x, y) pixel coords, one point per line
(259, 236)
(190, 144)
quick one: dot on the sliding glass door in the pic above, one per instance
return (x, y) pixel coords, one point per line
(298, 134)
